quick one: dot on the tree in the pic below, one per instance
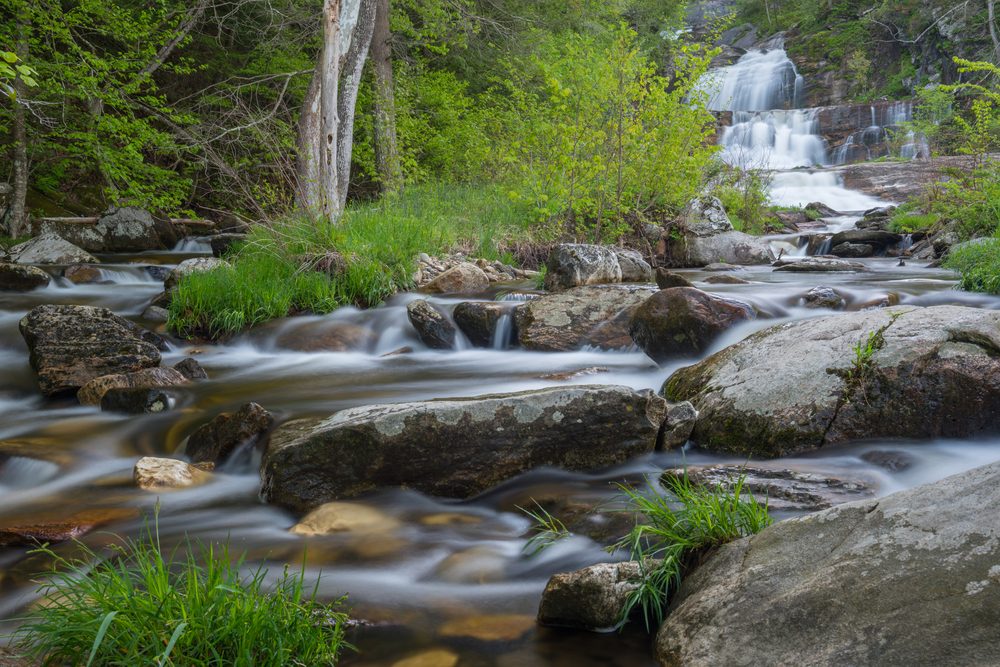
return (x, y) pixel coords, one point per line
(386, 146)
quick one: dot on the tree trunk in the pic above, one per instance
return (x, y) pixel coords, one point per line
(307, 169)
(351, 72)
(991, 13)
(19, 197)
(386, 149)
(329, 79)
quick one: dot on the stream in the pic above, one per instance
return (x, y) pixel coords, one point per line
(439, 574)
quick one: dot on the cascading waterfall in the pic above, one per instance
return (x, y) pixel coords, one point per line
(874, 141)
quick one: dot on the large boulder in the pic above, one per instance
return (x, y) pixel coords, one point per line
(465, 278)
(910, 579)
(706, 216)
(132, 229)
(576, 264)
(432, 325)
(592, 599)
(229, 433)
(49, 249)
(147, 378)
(478, 320)
(71, 345)
(191, 266)
(872, 237)
(683, 321)
(802, 385)
(691, 251)
(594, 315)
(635, 269)
(457, 447)
(22, 277)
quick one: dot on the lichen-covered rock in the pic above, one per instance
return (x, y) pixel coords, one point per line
(49, 249)
(22, 277)
(147, 378)
(594, 315)
(478, 320)
(823, 297)
(229, 433)
(910, 579)
(592, 598)
(191, 369)
(465, 278)
(433, 326)
(706, 216)
(818, 265)
(683, 321)
(635, 269)
(457, 447)
(693, 251)
(797, 386)
(577, 264)
(71, 345)
(191, 266)
(132, 229)
(678, 425)
(157, 474)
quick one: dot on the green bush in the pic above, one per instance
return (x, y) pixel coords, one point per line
(194, 607)
(979, 265)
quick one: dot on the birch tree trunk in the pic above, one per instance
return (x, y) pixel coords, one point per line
(386, 148)
(19, 196)
(329, 79)
(351, 71)
(307, 167)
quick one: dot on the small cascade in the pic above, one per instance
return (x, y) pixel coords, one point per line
(504, 332)
(875, 140)
(193, 244)
(774, 140)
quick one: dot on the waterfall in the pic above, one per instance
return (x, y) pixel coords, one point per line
(874, 141)
(503, 333)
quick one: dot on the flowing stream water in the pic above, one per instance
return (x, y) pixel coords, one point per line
(434, 573)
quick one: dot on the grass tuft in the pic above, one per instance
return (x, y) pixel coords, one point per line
(979, 264)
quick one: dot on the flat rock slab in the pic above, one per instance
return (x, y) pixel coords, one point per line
(819, 265)
(457, 448)
(911, 579)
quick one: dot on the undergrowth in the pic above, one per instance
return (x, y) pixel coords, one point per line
(978, 262)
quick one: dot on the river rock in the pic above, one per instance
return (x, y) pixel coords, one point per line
(788, 388)
(594, 315)
(666, 279)
(147, 378)
(489, 628)
(821, 209)
(577, 264)
(729, 247)
(322, 336)
(22, 277)
(49, 249)
(83, 274)
(871, 237)
(910, 579)
(818, 265)
(433, 325)
(228, 433)
(465, 278)
(852, 250)
(726, 279)
(73, 525)
(683, 321)
(132, 229)
(71, 345)
(592, 598)
(157, 474)
(223, 243)
(781, 488)
(341, 517)
(191, 266)
(137, 400)
(478, 320)
(823, 297)
(635, 269)
(437, 657)
(155, 315)
(678, 425)
(457, 447)
(191, 369)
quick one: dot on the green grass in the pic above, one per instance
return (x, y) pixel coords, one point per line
(194, 607)
(679, 528)
(7, 242)
(979, 265)
(272, 277)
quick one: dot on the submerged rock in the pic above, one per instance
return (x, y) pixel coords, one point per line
(48, 248)
(83, 274)
(665, 279)
(592, 315)
(683, 321)
(228, 433)
(753, 400)
(433, 325)
(71, 345)
(823, 297)
(59, 529)
(818, 265)
(457, 447)
(323, 336)
(155, 474)
(910, 579)
(340, 517)
(22, 277)
(592, 598)
(147, 378)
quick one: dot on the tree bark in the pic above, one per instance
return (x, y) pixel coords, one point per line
(329, 80)
(307, 168)
(19, 196)
(991, 14)
(387, 165)
(351, 71)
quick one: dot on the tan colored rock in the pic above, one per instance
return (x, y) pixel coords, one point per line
(437, 657)
(489, 628)
(340, 517)
(155, 474)
(462, 279)
(148, 378)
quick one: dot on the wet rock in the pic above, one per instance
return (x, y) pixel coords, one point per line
(131, 229)
(730, 247)
(156, 474)
(490, 628)
(823, 297)
(852, 250)
(155, 314)
(49, 249)
(781, 488)
(82, 274)
(59, 529)
(665, 279)
(480, 564)
(192, 266)
(147, 378)
(191, 369)
(438, 657)
(893, 460)
(678, 425)
(569, 320)
(910, 579)
(157, 272)
(818, 265)
(71, 345)
(563, 376)
(821, 209)
(478, 320)
(465, 278)
(433, 326)
(228, 433)
(577, 264)
(683, 321)
(915, 386)
(871, 237)
(706, 216)
(457, 447)
(890, 299)
(340, 517)
(324, 336)
(721, 266)
(21, 277)
(589, 599)
(726, 279)
(635, 269)
(137, 400)
(223, 243)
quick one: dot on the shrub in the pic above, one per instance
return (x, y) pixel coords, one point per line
(979, 264)
(193, 607)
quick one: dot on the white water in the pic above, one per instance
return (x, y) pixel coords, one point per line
(870, 142)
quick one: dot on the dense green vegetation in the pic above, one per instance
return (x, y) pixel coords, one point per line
(979, 264)
(193, 605)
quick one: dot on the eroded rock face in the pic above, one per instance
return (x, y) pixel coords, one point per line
(228, 433)
(71, 345)
(592, 315)
(592, 598)
(49, 249)
(753, 399)
(683, 321)
(911, 579)
(433, 325)
(21, 277)
(147, 378)
(457, 448)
